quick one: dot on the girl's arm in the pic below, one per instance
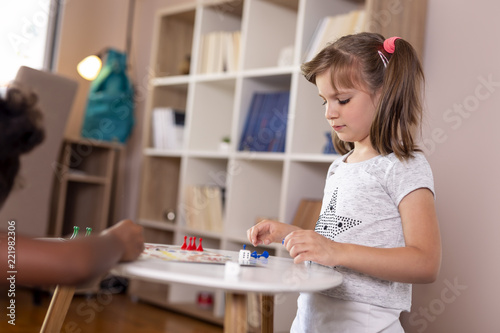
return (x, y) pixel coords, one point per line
(43, 262)
(417, 262)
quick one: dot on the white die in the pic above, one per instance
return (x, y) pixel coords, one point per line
(244, 255)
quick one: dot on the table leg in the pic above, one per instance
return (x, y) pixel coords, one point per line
(235, 318)
(267, 313)
(58, 308)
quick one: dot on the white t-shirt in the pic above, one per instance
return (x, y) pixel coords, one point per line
(360, 206)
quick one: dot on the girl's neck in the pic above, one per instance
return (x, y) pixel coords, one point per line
(361, 153)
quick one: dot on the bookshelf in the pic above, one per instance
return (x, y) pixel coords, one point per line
(256, 184)
(84, 186)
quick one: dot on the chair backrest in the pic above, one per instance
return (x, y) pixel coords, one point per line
(30, 206)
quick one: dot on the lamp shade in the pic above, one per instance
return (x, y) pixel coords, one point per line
(89, 67)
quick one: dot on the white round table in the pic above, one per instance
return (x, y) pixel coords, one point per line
(272, 276)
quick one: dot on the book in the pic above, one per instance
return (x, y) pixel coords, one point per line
(167, 128)
(219, 52)
(265, 126)
(307, 213)
(331, 28)
(329, 148)
(203, 207)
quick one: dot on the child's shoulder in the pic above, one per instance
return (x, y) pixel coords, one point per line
(418, 159)
(412, 166)
(384, 164)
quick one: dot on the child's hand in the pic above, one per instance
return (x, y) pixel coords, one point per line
(131, 236)
(306, 245)
(269, 231)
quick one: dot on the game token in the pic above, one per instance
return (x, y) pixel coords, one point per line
(191, 246)
(264, 254)
(184, 245)
(200, 247)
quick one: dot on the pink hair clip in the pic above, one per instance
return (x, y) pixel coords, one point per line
(389, 46)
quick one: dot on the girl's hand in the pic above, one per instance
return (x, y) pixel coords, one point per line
(306, 245)
(130, 236)
(269, 231)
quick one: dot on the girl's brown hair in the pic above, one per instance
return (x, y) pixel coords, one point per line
(354, 62)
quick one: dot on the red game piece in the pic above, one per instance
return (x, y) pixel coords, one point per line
(190, 246)
(200, 247)
(184, 245)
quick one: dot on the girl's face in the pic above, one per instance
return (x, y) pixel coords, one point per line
(349, 112)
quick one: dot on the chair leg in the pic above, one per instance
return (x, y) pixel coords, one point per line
(59, 305)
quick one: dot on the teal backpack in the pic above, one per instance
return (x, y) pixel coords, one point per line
(109, 115)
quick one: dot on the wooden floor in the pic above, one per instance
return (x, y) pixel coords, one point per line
(103, 312)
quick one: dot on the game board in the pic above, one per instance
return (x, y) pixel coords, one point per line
(174, 253)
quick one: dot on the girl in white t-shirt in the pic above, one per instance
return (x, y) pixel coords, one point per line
(378, 224)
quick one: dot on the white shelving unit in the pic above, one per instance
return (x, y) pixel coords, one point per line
(216, 104)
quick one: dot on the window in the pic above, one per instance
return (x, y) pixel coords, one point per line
(27, 35)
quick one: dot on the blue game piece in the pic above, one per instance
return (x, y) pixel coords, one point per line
(264, 254)
(254, 254)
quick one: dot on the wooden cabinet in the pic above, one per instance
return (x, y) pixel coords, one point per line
(255, 184)
(84, 186)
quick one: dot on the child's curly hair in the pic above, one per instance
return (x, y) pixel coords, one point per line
(21, 130)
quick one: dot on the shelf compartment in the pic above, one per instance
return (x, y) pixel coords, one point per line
(254, 192)
(277, 118)
(88, 160)
(79, 197)
(206, 171)
(212, 114)
(173, 29)
(310, 125)
(264, 39)
(223, 18)
(315, 11)
(170, 96)
(159, 187)
(306, 180)
(203, 194)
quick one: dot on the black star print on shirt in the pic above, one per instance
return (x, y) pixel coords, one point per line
(330, 224)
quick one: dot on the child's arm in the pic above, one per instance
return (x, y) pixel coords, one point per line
(43, 262)
(417, 262)
(268, 231)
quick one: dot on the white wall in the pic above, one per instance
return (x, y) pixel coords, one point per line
(462, 52)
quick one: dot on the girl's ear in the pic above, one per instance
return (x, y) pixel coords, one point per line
(376, 96)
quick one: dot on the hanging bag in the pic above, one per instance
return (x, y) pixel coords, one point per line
(109, 115)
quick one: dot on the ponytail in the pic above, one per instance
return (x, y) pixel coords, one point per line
(399, 112)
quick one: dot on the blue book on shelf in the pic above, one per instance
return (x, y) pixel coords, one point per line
(247, 139)
(266, 123)
(328, 147)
